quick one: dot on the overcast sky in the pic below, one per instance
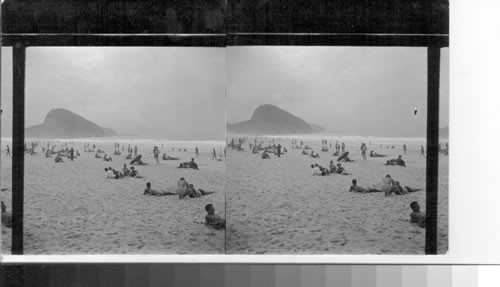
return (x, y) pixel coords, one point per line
(171, 93)
(356, 90)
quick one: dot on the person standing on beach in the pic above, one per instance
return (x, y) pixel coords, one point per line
(8, 151)
(72, 153)
(343, 147)
(422, 151)
(279, 150)
(404, 149)
(197, 152)
(363, 150)
(214, 154)
(135, 151)
(156, 152)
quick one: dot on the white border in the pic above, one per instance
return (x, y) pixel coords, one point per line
(474, 216)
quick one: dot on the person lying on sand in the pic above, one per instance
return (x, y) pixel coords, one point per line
(356, 188)
(336, 153)
(166, 157)
(6, 216)
(213, 220)
(58, 158)
(194, 193)
(154, 192)
(397, 189)
(344, 157)
(397, 161)
(265, 155)
(417, 216)
(188, 164)
(374, 154)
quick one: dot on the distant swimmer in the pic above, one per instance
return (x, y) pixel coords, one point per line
(417, 216)
(356, 188)
(6, 216)
(154, 192)
(213, 220)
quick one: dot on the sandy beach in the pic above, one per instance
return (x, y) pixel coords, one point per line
(277, 207)
(71, 208)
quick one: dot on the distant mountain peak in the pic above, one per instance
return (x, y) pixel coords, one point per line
(270, 119)
(63, 123)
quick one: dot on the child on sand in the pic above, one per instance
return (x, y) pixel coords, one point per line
(416, 216)
(212, 219)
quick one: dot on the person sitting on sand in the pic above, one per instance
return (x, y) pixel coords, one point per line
(137, 160)
(387, 183)
(106, 158)
(313, 155)
(336, 153)
(154, 192)
(129, 156)
(125, 170)
(193, 164)
(6, 216)
(417, 216)
(356, 188)
(333, 168)
(315, 170)
(304, 152)
(344, 157)
(109, 172)
(182, 183)
(214, 220)
(134, 173)
(265, 155)
(97, 155)
(58, 158)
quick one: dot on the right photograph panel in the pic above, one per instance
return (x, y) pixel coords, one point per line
(326, 150)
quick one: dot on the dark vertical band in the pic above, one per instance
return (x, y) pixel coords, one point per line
(18, 63)
(433, 65)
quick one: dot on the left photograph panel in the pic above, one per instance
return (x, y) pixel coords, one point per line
(124, 150)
